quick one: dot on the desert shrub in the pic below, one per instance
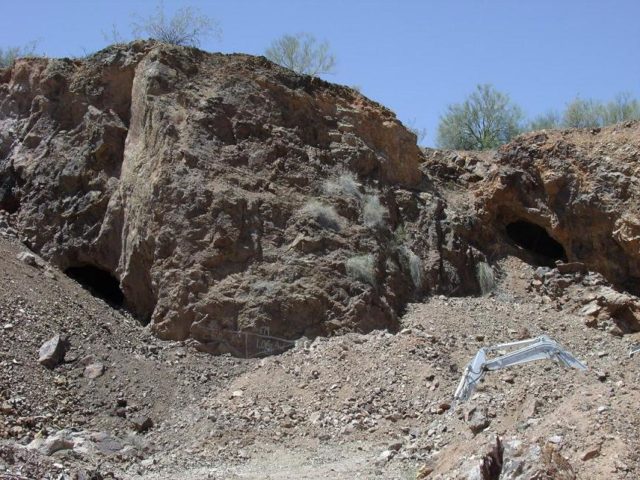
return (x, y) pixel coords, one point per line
(373, 212)
(325, 215)
(400, 236)
(589, 113)
(8, 55)
(344, 184)
(621, 109)
(486, 278)
(582, 113)
(363, 268)
(302, 53)
(187, 27)
(411, 263)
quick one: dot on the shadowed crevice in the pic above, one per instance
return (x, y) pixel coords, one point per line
(536, 241)
(99, 283)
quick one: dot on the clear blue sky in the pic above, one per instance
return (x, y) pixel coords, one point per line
(413, 56)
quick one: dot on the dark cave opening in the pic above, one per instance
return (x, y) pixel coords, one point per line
(537, 241)
(99, 282)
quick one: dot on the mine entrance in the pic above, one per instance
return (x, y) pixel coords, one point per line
(537, 241)
(99, 282)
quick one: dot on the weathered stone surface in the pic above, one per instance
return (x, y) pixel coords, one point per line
(50, 445)
(199, 182)
(52, 352)
(30, 259)
(94, 370)
(477, 418)
(581, 187)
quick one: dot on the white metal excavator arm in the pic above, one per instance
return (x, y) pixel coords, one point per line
(539, 348)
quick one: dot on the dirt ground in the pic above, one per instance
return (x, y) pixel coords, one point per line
(355, 406)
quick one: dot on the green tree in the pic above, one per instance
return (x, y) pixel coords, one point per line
(187, 27)
(302, 53)
(8, 55)
(485, 120)
(581, 113)
(622, 109)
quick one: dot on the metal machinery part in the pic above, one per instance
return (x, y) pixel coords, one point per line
(532, 349)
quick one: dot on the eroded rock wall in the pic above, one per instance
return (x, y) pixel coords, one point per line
(224, 193)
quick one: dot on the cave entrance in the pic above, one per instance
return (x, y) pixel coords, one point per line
(535, 239)
(99, 282)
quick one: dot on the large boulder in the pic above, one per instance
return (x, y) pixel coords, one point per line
(223, 193)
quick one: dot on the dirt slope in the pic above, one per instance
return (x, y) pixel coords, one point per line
(330, 408)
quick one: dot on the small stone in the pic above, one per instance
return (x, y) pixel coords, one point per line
(30, 259)
(477, 419)
(287, 410)
(315, 417)
(237, 394)
(571, 267)
(87, 360)
(52, 352)
(591, 309)
(590, 452)
(557, 439)
(395, 446)
(384, 457)
(531, 408)
(393, 417)
(602, 376)
(94, 370)
(615, 331)
(141, 424)
(49, 446)
(424, 471)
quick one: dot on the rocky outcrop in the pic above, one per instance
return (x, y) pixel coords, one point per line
(212, 194)
(223, 193)
(552, 196)
(575, 194)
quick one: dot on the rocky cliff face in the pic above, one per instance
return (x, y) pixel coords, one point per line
(223, 193)
(217, 193)
(564, 195)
